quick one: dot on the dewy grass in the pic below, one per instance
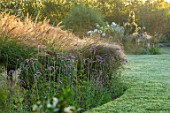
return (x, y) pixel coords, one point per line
(149, 86)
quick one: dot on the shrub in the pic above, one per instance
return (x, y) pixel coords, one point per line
(136, 40)
(21, 8)
(86, 74)
(165, 37)
(82, 17)
(112, 32)
(3, 93)
(154, 51)
(56, 11)
(84, 66)
(131, 26)
(58, 104)
(142, 50)
(11, 50)
(104, 57)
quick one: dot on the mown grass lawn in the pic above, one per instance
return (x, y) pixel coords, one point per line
(148, 77)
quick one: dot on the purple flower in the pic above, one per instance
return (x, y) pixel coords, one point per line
(19, 59)
(31, 59)
(99, 58)
(75, 44)
(93, 48)
(63, 58)
(100, 72)
(107, 81)
(69, 66)
(22, 88)
(11, 71)
(117, 49)
(56, 67)
(38, 72)
(50, 68)
(20, 81)
(100, 85)
(45, 95)
(57, 54)
(35, 74)
(72, 57)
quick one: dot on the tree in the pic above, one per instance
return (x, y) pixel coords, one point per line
(131, 26)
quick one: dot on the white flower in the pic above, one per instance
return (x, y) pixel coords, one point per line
(117, 29)
(55, 101)
(40, 106)
(34, 107)
(95, 30)
(90, 33)
(97, 25)
(113, 24)
(49, 105)
(100, 31)
(103, 34)
(56, 109)
(70, 109)
(106, 28)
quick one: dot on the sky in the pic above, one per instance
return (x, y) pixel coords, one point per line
(167, 0)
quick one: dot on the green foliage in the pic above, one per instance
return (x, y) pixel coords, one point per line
(3, 93)
(11, 50)
(148, 13)
(93, 79)
(112, 32)
(83, 76)
(165, 37)
(2, 68)
(136, 40)
(131, 26)
(21, 8)
(39, 10)
(154, 51)
(114, 10)
(82, 17)
(56, 10)
(94, 70)
(11, 93)
(56, 105)
(140, 50)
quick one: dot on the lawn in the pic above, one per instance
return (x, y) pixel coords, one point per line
(148, 77)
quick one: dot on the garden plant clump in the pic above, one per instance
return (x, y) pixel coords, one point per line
(46, 62)
(134, 39)
(82, 18)
(113, 32)
(67, 56)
